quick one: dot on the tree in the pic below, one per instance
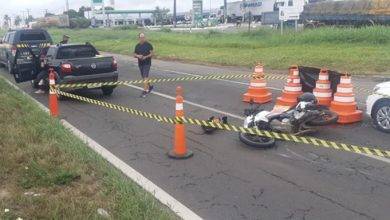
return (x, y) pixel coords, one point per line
(82, 9)
(7, 20)
(29, 19)
(72, 13)
(49, 14)
(160, 15)
(17, 20)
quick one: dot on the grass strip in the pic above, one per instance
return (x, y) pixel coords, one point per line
(356, 50)
(48, 173)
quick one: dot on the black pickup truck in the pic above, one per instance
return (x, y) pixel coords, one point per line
(77, 63)
(20, 49)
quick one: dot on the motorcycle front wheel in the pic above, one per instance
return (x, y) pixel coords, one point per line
(327, 117)
(256, 141)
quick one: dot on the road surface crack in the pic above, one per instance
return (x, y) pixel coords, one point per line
(318, 194)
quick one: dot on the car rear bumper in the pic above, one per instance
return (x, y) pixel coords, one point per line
(94, 78)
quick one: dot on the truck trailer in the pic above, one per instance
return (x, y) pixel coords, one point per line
(347, 12)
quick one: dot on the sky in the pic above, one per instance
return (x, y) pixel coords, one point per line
(37, 7)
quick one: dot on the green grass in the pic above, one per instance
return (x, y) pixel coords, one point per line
(39, 156)
(355, 50)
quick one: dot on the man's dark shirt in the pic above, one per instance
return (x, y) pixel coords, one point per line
(144, 50)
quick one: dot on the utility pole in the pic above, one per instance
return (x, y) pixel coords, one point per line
(28, 17)
(174, 13)
(225, 11)
(104, 15)
(67, 12)
(67, 5)
(23, 18)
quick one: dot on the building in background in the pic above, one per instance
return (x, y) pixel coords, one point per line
(107, 16)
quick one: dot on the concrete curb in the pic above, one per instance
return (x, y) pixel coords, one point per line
(178, 208)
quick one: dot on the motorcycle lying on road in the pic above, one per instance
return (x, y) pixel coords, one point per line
(301, 119)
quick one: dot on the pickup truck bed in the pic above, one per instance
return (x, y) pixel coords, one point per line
(80, 63)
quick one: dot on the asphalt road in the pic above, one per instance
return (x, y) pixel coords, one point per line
(226, 179)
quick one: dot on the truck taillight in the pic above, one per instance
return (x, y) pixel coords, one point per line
(13, 50)
(66, 68)
(114, 64)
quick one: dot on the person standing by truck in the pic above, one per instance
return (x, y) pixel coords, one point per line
(144, 52)
(65, 39)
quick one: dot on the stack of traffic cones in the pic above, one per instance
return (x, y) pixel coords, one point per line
(179, 150)
(53, 101)
(257, 91)
(323, 92)
(344, 103)
(292, 90)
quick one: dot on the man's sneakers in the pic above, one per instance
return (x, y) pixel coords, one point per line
(150, 88)
(144, 93)
(39, 91)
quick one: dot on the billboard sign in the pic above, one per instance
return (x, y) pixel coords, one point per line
(97, 2)
(197, 11)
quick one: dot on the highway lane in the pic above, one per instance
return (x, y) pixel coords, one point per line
(225, 179)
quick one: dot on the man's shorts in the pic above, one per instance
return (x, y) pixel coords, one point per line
(144, 69)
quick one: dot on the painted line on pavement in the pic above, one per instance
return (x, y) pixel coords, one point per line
(181, 210)
(230, 114)
(178, 208)
(190, 103)
(226, 80)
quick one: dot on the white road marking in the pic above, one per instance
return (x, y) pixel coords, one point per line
(233, 116)
(230, 81)
(190, 103)
(224, 80)
(178, 208)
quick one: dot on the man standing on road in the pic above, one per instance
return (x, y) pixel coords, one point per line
(144, 53)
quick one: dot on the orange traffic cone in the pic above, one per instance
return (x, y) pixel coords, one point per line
(293, 69)
(323, 92)
(257, 91)
(344, 103)
(179, 150)
(53, 101)
(292, 89)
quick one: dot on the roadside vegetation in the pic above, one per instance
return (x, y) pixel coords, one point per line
(356, 50)
(47, 173)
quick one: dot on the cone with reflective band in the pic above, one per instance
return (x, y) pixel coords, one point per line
(323, 92)
(259, 69)
(179, 150)
(293, 70)
(292, 89)
(257, 91)
(53, 101)
(344, 103)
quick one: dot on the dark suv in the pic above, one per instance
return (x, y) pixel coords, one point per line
(19, 49)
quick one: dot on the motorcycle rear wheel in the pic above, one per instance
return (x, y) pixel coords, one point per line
(256, 141)
(327, 118)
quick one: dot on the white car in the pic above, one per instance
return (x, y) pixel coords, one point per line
(378, 106)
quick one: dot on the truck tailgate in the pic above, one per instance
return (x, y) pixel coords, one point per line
(91, 65)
